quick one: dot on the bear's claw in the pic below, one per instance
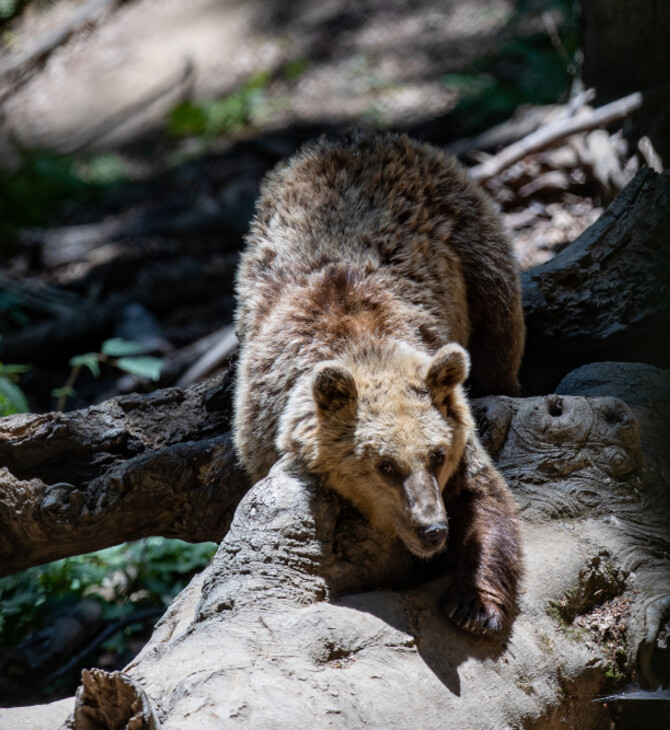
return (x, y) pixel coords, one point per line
(469, 612)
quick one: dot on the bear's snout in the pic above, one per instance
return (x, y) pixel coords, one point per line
(432, 536)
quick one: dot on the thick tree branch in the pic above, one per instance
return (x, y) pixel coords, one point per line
(133, 467)
(287, 624)
(604, 297)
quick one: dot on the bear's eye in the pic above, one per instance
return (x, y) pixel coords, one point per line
(386, 467)
(437, 458)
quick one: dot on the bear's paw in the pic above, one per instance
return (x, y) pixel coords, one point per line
(472, 612)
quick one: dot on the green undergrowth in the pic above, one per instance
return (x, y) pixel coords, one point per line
(12, 398)
(239, 110)
(123, 579)
(43, 183)
(225, 115)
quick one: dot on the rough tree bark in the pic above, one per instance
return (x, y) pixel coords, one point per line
(625, 48)
(132, 467)
(604, 297)
(289, 628)
(625, 44)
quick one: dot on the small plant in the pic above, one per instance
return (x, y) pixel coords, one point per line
(229, 114)
(44, 182)
(117, 352)
(11, 312)
(146, 573)
(295, 68)
(12, 398)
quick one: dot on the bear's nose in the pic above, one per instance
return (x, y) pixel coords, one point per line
(432, 535)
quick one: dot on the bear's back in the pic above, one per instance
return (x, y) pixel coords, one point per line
(379, 203)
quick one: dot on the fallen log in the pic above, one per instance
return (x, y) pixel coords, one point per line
(132, 467)
(288, 625)
(59, 467)
(605, 296)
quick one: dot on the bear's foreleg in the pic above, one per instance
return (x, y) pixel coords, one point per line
(484, 546)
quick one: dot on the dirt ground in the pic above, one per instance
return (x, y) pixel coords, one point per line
(366, 59)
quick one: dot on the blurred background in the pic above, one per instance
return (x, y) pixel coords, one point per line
(133, 138)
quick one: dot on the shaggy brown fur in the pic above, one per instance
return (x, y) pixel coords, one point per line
(371, 263)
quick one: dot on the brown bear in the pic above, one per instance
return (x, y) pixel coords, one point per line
(372, 263)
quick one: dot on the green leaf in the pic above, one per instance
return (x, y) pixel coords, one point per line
(258, 81)
(13, 369)
(105, 170)
(91, 360)
(15, 401)
(142, 367)
(118, 347)
(6, 408)
(67, 390)
(296, 68)
(7, 8)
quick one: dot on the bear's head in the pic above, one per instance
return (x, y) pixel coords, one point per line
(386, 429)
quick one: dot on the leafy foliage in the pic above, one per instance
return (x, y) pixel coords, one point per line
(147, 573)
(141, 367)
(118, 347)
(45, 181)
(122, 354)
(9, 9)
(526, 69)
(295, 68)
(12, 398)
(221, 116)
(29, 196)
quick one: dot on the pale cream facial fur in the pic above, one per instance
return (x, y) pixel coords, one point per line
(386, 430)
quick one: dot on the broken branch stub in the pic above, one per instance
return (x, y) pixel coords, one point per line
(132, 467)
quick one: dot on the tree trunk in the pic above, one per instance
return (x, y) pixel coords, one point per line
(625, 45)
(604, 297)
(625, 50)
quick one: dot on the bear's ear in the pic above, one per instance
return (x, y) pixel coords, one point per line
(449, 368)
(333, 386)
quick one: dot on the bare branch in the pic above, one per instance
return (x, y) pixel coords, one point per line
(551, 133)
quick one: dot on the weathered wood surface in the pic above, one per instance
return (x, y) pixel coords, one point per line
(289, 625)
(132, 467)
